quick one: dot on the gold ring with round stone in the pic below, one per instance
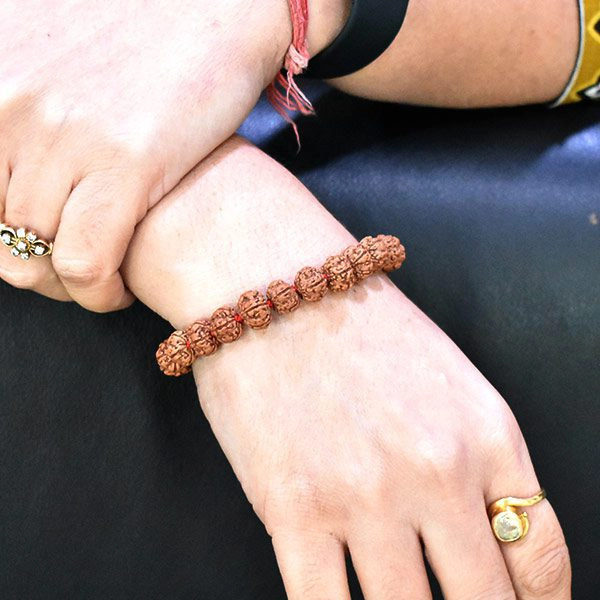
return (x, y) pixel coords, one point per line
(508, 524)
(23, 243)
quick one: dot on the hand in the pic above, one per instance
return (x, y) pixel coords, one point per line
(353, 424)
(358, 424)
(104, 107)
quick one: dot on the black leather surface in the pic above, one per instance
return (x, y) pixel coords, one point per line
(111, 483)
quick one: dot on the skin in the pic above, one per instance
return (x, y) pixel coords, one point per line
(104, 108)
(333, 459)
(475, 54)
(83, 159)
(99, 120)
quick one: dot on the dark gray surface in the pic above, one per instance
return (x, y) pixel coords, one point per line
(111, 483)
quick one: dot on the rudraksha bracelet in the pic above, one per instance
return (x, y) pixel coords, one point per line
(254, 309)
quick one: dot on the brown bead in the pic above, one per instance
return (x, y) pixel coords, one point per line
(361, 261)
(254, 309)
(284, 296)
(225, 326)
(340, 274)
(376, 247)
(311, 284)
(394, 255)
(203, 342)
(175, 355)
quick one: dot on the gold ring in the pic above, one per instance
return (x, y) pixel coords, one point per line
(509, 525)
(24, 244)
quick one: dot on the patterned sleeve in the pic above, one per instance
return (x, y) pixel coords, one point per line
(584, 84)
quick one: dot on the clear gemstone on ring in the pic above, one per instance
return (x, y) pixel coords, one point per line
(21, 232)
(31, 237)
(508, 526)
(15, 252)
(22, 246)
(25, 256)
(39, 250)
(6, 238)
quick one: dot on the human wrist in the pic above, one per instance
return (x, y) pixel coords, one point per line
(213, 238)
(256, 308)
(243, 261)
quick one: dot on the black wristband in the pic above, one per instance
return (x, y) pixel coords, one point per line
(371, 28)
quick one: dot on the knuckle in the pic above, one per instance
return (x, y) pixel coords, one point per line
(78, 271)
(504, 435)
(374, 486)
(116, 160)
(441, 461)
(304, 498)
(548, 571)
(374, 493)
(301, 500)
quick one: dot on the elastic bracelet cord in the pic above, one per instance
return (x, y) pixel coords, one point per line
(255, 309)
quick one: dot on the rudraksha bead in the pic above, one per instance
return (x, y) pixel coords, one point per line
(377, 249)
(254, 309)
(311, 284)
(394, 255)
(225, 326)
(202, 341)
(340, 273)
(175, 355)
(284, 296)
(361, 260)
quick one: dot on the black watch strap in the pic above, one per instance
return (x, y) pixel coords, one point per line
(371, 28)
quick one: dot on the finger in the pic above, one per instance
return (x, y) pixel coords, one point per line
(4, 179)
(463, 552)
(312, 565)
(33, 201)
(37, 193)
(389, 563)
(21, 279)
(538, 563)
(96, 227)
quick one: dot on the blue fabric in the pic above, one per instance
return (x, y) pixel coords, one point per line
(111, 483)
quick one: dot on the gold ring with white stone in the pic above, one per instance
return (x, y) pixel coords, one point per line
(23, 243)
(508, 524)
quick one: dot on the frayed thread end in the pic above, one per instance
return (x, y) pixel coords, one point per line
(284, 93)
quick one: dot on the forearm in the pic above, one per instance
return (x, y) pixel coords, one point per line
(466, 53)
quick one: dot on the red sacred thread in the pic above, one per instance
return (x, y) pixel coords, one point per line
(283, 93)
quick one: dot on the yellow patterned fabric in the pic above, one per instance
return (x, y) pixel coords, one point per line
(585, 80)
